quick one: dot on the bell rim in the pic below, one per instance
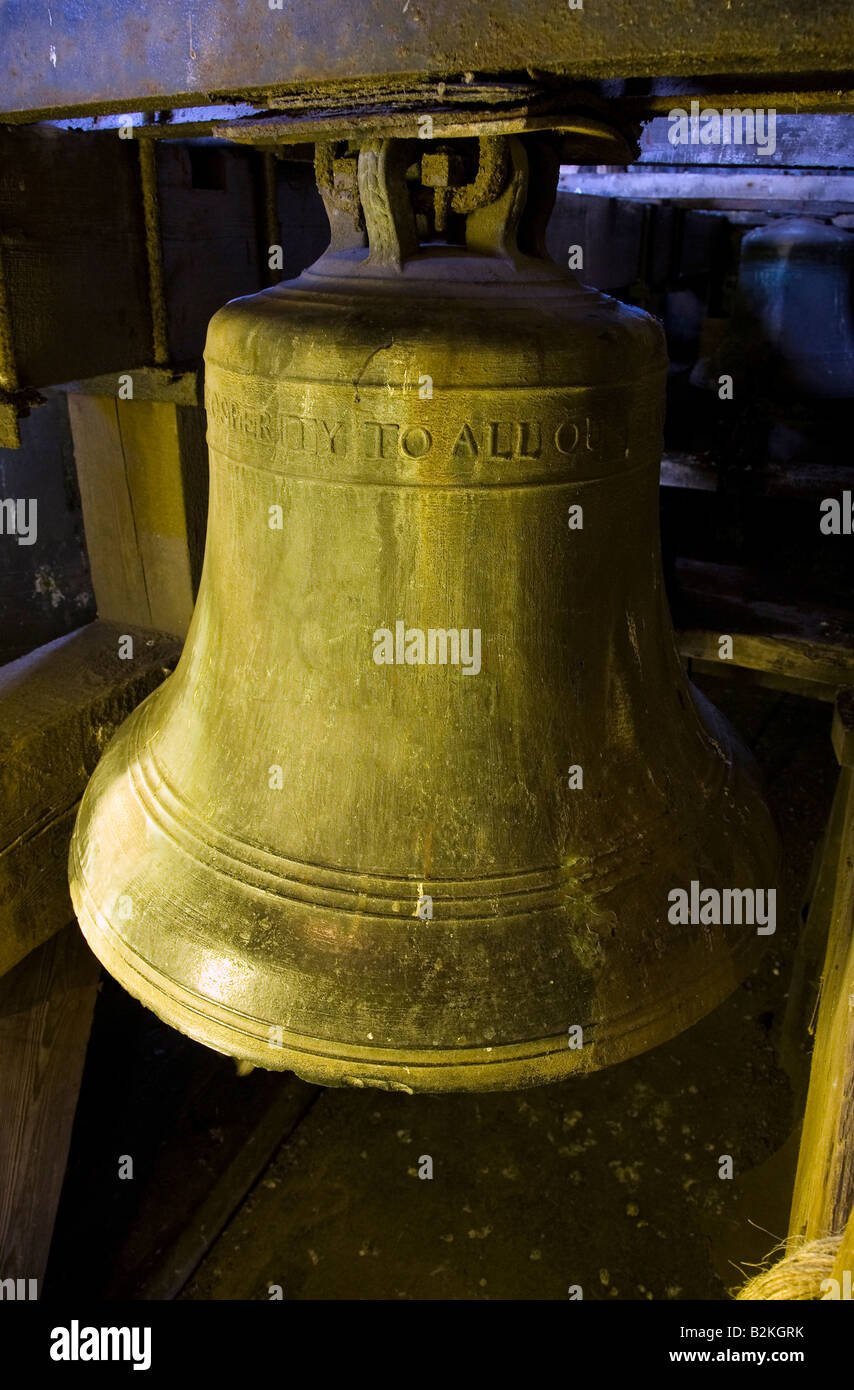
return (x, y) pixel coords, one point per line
(502, 1067)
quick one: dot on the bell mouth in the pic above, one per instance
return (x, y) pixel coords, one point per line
(232, 956)
(502, 1067)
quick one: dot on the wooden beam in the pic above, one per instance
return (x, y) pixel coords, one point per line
(181, 54)
(141, 481)
(10, 431)
(716, 190)
(805, 981)
(149, 384)
(782, 640)
(46, 1006)
(806, 136)
(692, 473)
(200, 1134)
(845, 1255)
(842, 728)
(118, 578)
(807, 667)
(824, 1186)
(58, 708)
(172, 1235)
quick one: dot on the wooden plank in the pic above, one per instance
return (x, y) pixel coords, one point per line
(716, 189)
(818, 669)
(138, 495)
(766, 680)
(694, 473)
(198, 1133)
(845, 1255)
(46, 1006)
(842, 728)
(186, 1244)
(805, 981)
(792, 643)
(34, 880)
(58, 708)
(10, 429)
(824, 1187)
(152, 456)
(183, 53)
(149, 384)
(814, 140)
(118, 575)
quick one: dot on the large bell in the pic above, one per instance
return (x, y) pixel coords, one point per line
(794, 300)
(789, 346)
(411, 809)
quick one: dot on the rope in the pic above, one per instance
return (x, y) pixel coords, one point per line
(798, 1275)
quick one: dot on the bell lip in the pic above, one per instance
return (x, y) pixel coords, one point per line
(475, 1068)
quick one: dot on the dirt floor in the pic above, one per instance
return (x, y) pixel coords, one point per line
(609, 1182)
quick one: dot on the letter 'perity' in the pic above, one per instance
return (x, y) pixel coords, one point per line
(411, 873)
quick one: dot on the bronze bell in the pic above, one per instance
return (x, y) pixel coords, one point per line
(789, 347)
(794, 299)
(410, 810)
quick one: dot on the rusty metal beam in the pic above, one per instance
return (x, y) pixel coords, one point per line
(107, 56)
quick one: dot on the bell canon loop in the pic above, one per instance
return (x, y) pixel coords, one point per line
(412, 810)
